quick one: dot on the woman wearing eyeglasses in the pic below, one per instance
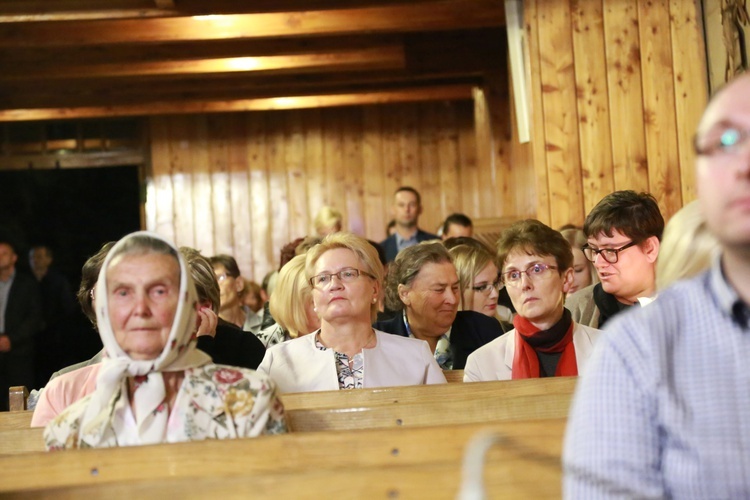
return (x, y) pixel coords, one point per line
(537, 269)
(345, 275)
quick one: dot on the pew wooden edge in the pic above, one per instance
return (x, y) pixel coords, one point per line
(17, 398)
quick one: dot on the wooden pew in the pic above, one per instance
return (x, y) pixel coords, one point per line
(410, 406)
(17, 396)
(417, 462)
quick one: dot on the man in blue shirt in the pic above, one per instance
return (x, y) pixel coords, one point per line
(663, 409)
(407, 207)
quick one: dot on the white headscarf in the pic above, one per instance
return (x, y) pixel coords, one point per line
(96, 426)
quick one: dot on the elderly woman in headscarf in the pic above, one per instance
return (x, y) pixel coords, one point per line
(155, 386)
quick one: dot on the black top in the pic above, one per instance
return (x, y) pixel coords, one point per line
(232, 346)
(470, 331)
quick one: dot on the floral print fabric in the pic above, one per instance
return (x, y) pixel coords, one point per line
(214, 402)
(351, 372)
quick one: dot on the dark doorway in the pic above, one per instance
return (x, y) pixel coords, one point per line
(73, 211)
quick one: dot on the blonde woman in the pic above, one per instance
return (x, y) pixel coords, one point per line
(345, 276)
(327, 221)
(479, 278)
(584, 272)
(687, 246)
(290, 305)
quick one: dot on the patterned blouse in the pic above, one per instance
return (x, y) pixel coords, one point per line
(351, 372)
(214, 402)
(273, 335)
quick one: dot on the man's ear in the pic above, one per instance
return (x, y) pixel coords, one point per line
(403, 294)
(567, 278)
(651, 248)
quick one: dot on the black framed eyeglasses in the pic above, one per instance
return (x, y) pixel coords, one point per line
(346, 275)
(611, 255)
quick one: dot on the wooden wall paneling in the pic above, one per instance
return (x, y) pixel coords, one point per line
(354, 189)
(314, 163)
(623, 59)
(278, 193)
(239, 183)
(472, 181)
(519, 180)
(294, 163)
(333, 152)
(159, 193)
(659, 104)
(593, 108)
(390, 154)
(448, 163)
(691, 84)
(483, 140)
(532, 10)
(560, 115)
(377, 201)
(429, 154)
(504, 192)
(406, 118)
(212, 188)
(263, 257)
(183, 151)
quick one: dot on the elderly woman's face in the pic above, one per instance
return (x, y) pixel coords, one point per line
(143, 292)
(432, 299)
(538, 296)
(342, 299)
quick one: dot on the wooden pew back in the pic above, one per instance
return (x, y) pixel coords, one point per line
(417, 462)
(381, 408)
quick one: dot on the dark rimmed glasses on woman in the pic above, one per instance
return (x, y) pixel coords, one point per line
(534, 273)
(346, 275)
(611, 255)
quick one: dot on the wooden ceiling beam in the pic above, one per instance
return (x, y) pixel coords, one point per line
(456, 92)
(435, 15)
(228, 87)
(388, 57)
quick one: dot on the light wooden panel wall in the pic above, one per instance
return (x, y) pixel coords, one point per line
(618, 87)
(248, 183)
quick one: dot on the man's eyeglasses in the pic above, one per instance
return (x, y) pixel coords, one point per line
(727, 141)
(346, 275)
(534, 273)
(487, 287)
(611, 255)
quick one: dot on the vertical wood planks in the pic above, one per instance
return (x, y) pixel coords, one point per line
(623, 51)
(659, 104)
(560, 115)
(263, 257)
(240, 201)
(690, 95)
(294, 165)
(538, 135)
(593, 107)
(377, 200)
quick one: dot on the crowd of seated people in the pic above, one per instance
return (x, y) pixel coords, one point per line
(188, 355)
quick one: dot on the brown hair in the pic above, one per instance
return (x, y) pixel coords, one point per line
(534, 238)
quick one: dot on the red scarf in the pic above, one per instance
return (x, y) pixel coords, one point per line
(525, 360)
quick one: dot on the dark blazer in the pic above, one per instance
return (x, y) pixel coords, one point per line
(23, 319)
(23, 314)
(391, 248)
(470, 331)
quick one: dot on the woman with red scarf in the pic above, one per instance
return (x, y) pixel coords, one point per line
(536, 265)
